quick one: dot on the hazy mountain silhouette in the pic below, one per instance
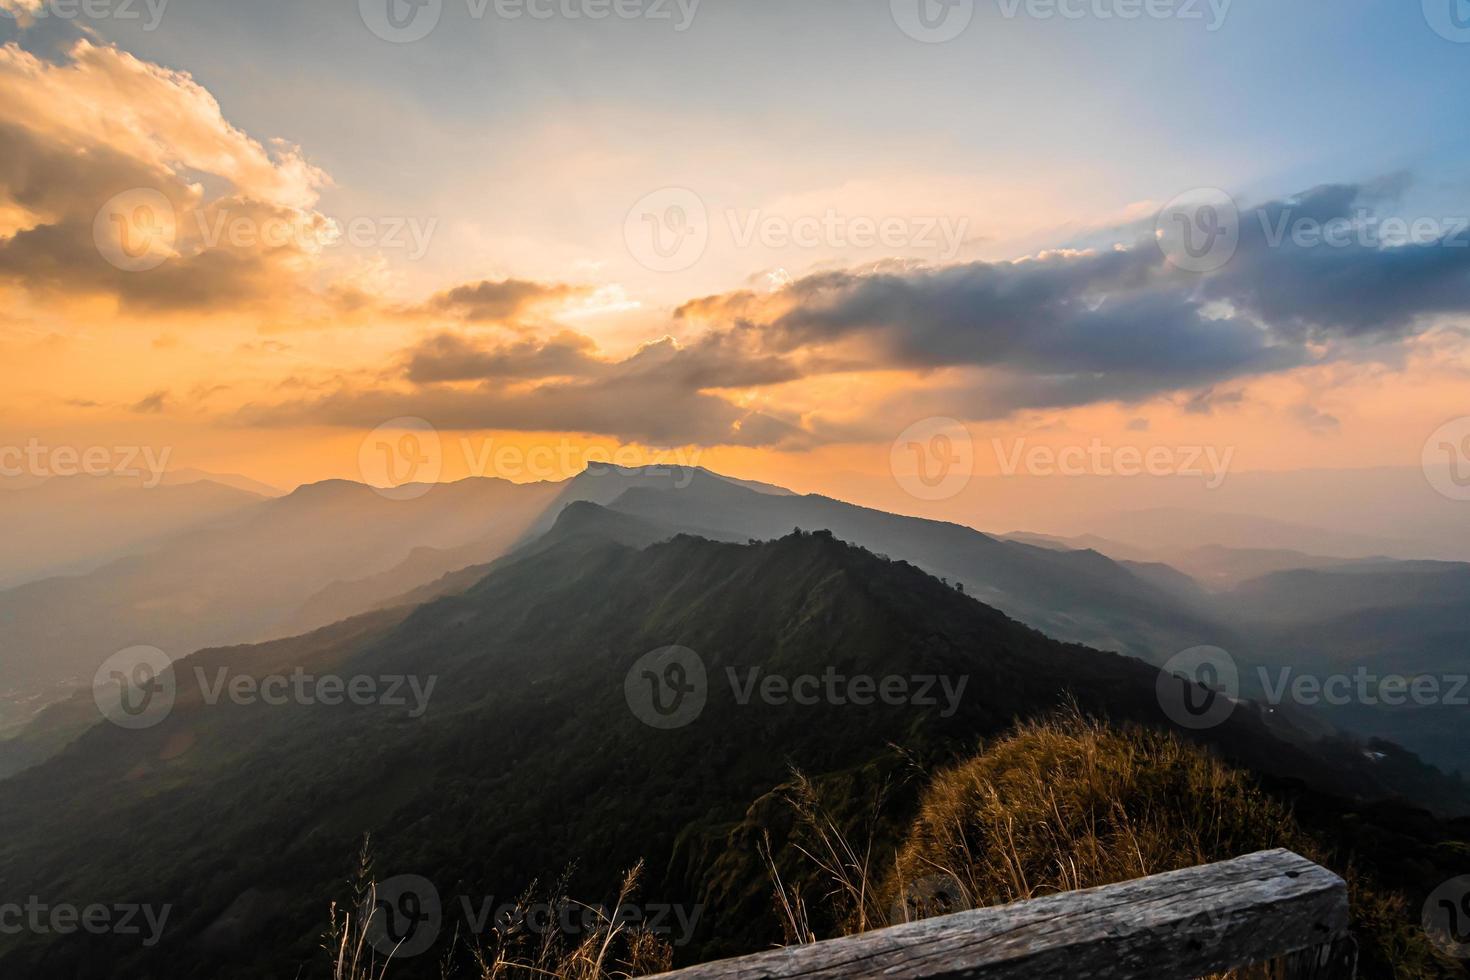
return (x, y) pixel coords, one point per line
(329, 551)
(1081, 596)
(1404, 618)
(531, 752)
(1213, 566)
(71, 525)
(1177, 528)
(247, 578)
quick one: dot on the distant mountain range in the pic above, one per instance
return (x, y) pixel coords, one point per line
(1211, 566)
(72, 525)
(1349, 513)
(330, 550)
(535, 750)
(272, 568)
(1174, 529)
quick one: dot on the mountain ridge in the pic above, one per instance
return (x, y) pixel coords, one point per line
(530, 749)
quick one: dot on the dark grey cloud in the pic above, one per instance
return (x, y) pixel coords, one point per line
(489, 301)
(1207, 400)
(720, 359)
(656, 396)
(650, 411)
(1313, 418)
(1063, 329)
(1122, 324)
(153, 403)
(59, 256)
(1368, 286)
(451, 357)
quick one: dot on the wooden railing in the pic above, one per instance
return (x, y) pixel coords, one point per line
(1273, 909)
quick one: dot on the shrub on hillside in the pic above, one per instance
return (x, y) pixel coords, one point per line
(1071, 803)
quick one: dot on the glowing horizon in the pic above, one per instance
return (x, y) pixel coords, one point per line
(205, 255)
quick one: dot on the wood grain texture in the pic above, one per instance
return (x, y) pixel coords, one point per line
(1175, 926)
(1335, 961)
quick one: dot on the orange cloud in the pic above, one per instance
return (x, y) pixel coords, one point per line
(500, 301)
(105, 98)
(101, 156)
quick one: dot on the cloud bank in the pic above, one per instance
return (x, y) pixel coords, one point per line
(977, 340)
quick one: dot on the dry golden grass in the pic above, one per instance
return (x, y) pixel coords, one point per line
(1069, 803)
(1057, 805)
(609, 950)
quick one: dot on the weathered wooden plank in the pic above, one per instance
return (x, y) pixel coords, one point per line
(1175, 926)
(1334, 961)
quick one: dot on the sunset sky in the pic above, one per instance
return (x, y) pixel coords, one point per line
(728, 233)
